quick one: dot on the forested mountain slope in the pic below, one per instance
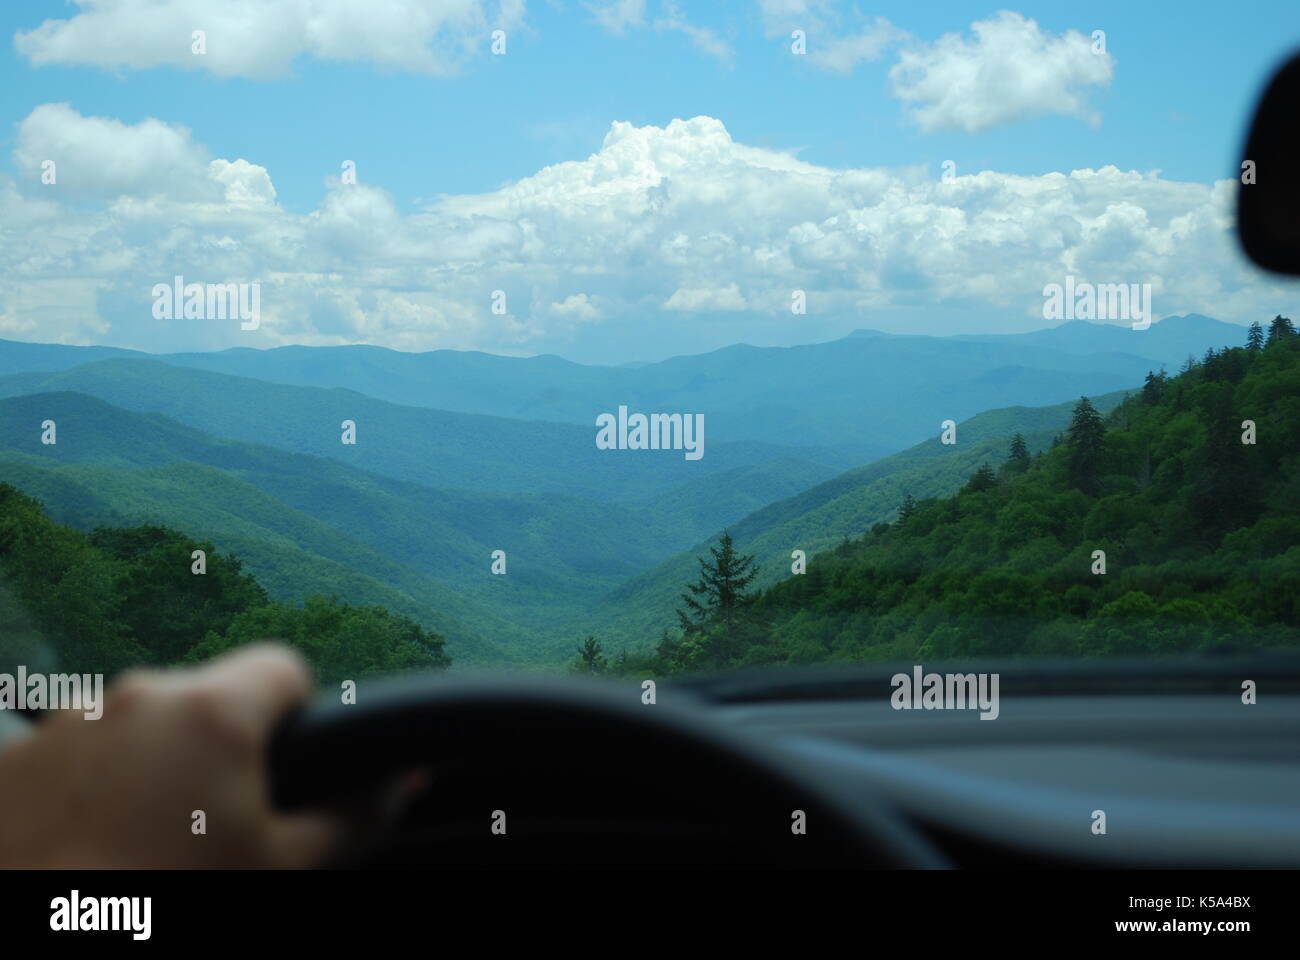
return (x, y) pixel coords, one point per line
(823, 516)
(1169, 525)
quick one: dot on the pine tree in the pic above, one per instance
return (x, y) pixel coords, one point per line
(1153, 389)
(982, 479)
(591, 657)
(1280, 329)
(1212, 367)
(1255, 337)
(1084, 440)
(720, 591)
(1019, 456)
(666, 648)
(907, 509)
(1225, 490)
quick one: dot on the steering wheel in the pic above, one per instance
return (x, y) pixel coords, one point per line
(545, 773)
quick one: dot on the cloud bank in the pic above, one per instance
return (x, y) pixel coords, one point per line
(666, 234)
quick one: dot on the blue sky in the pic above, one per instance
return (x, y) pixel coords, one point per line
(693, 242)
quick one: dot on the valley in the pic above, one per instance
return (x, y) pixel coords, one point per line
(410, 516)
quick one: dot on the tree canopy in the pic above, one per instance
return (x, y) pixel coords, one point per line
(119, 597)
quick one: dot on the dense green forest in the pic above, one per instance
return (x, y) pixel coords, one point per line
(119, 597)
(1169, 525)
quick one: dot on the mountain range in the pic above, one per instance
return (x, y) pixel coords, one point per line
(867, 395)
(459, 454)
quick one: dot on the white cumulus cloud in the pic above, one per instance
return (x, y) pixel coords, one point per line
(261, 38)
(1008, 71)
(103, 157)
(577, 307)
(696, 299)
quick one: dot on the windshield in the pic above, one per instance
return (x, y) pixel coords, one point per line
(804, 337)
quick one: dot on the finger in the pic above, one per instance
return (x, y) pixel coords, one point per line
(261, 682)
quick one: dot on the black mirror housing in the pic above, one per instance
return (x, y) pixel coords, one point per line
(1268, 195)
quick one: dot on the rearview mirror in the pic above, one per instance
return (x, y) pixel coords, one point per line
(1268, 196)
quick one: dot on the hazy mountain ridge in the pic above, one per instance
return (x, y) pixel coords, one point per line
(434, 448)
(865, 395)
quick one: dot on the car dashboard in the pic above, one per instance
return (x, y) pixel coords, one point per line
(1121, 780)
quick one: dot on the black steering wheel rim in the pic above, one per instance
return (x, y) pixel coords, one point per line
(585, 773)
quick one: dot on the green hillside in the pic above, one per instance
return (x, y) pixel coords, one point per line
(119, 597)
(1197, 529)
(700, 505)
(824, 515)
(292, 555)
